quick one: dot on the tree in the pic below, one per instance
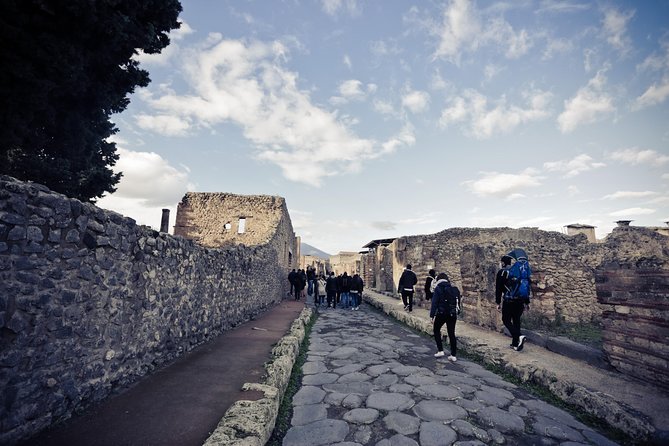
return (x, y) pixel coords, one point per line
(66, 67)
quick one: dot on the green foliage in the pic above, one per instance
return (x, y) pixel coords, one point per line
(585, 333)
(66, 68)
(286, 409)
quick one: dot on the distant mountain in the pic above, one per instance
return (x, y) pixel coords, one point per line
(308, 250)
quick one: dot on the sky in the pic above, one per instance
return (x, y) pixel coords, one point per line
(384, 118)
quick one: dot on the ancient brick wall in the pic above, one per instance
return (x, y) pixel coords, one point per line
(636, 323)
(90, 301)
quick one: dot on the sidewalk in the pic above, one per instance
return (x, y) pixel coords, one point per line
(183, 403)
(638, 409)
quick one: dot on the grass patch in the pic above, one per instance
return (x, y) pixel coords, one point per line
(589, 334)
(286, 408)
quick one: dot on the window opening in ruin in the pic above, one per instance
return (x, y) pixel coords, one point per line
(242, 225)
(227, 226)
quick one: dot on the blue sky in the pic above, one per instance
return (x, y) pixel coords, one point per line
(378, 119)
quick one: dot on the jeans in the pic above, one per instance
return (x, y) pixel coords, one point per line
(355, 299)
(310, 288)
(439, 321)
(344, 299)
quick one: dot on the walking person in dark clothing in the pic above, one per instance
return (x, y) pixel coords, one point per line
(291, 279)
(405, 287)
(357, 286)
(331, 290)
(428, 284)
(509, 304)
(444, 310)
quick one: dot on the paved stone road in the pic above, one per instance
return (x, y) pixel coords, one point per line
(369, 380)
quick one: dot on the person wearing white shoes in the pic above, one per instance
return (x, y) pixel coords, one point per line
(444, 310)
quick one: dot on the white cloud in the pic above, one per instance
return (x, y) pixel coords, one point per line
(347, 61)
(247, 84)
(416, 101)
(557, 46)
(484, 121)
(588, 106)
(614, 28)
(658, 91)
(490, 71)
(405, 137)
(655, 94)
(624, 194)
(351, 89)
(573, 191)
(560, 7)
(464, 29)
(332, 7)
(168, 125)
(636, 156)
(632, 212)
(383, 107)
(575, 166)
(148, 185)
(504, 185)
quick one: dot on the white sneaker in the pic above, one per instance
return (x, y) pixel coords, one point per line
(439, 354)
(452, 358)
(521, 342)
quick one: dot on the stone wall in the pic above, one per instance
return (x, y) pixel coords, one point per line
(563, 266)
(621, 283)
(636, 325)
(90, 301)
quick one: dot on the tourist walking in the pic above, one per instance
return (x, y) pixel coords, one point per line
(331, 290)
(512, 294)
(357, 286)
(405, 287)
(311, 278)
(345, 290)
(428, 284)
(291, 279)
(320, 291)
(444, 310)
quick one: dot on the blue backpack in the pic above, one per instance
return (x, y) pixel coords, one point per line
(519, 280)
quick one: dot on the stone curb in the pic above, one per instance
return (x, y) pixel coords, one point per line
(250, 423)
(603, 406)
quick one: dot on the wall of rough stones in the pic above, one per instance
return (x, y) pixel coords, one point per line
(90, 301)
(636, 323)
(563, 266)
(620, 283)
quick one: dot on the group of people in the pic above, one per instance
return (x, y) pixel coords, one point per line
(342, 291)
(512, 295)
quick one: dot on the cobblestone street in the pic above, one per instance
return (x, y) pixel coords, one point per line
(369, 380)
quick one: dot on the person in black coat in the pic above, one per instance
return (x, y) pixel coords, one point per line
(331, 288)
(405, 287)
(357, 286)
(444, 310)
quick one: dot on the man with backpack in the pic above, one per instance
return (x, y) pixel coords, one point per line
(444, 310)
(512, 293)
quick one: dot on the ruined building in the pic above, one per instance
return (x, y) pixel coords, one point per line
(621, 283)
(217, 220)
